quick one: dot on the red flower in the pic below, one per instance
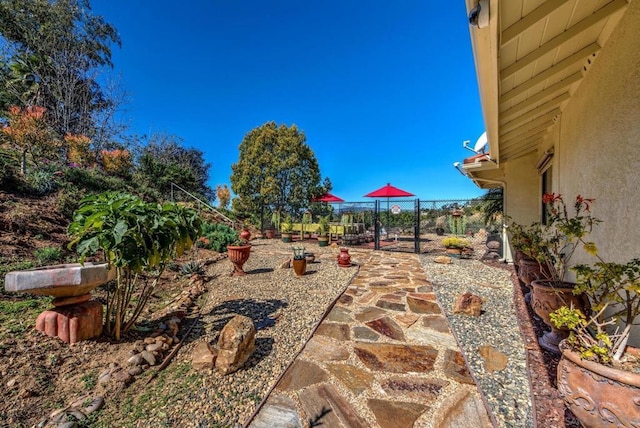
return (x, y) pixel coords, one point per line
(586, 201)
(549, 198)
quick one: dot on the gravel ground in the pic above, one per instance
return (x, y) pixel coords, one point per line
(507, 391)
(285, 310)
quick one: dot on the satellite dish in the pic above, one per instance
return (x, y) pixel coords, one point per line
(479, 15)
(481, 144)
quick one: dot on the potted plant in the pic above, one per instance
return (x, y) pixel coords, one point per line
(323, 231)
(245, 234)
(526, 241)
(299, 261)
(287, 229)
(238, 253)
(455, 245)
(598, 373)
(565, 232)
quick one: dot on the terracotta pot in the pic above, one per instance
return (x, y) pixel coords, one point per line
(299, 266)
(270, 233)
(528, 270)
(245, 234)
(454, 251)
(238, 254)
(546, 299)
(344, 259)
(598, 395)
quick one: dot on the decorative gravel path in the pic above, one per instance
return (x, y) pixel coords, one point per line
(507, 391)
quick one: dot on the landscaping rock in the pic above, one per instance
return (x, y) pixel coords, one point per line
(149, 358)
(494, 360)
(443, 260)
(203, 357)
(468, 304)
(236, 344)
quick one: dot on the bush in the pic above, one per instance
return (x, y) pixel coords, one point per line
(48, 255)
(69, 200)
(216, 236)
(40, 182)
(9, 170)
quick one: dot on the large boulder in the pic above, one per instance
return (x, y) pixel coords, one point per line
(236, 344)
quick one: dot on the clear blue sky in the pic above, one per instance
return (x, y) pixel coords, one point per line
(384, 91)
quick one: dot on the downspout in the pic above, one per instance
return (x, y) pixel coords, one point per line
(506, 249)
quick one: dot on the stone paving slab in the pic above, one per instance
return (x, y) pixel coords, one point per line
(383, 357)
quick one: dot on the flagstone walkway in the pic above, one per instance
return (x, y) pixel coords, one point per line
(383, 357)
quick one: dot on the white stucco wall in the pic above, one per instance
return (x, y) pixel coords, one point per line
(597, 142)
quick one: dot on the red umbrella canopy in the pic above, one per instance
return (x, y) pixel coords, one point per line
(388, 191)
(328, 197)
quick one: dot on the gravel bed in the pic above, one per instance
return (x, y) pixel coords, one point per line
(507, 391)
(285, 310)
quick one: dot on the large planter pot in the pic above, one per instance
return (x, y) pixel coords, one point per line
(286, 236)
(528, 271)
(299, 266)
(238, 254)
(545, 299)
(598, 395)
(323, 241)
(270, 233)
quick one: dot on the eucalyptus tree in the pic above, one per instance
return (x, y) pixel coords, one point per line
(275, 168)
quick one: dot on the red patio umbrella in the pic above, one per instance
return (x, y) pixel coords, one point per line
(388, 191)
(327, 197)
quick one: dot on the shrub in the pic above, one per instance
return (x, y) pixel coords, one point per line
(455, 242)
(48, 255)
(216, 236)
(40, 182)
(191, 267)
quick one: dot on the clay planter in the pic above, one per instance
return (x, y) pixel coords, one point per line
(546, 299)
(299, 266)
(454, 251)
(598, 395)
(245, 234)
(344, 259)
(238, 254)
(270, 233)
(528, 271)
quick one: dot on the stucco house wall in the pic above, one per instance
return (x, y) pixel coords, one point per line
(597, 143)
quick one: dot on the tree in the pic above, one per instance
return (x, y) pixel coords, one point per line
(55, 50)
(164, 161)
(224, 196)
(275, 167)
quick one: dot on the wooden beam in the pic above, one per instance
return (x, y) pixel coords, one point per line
(526, 121)
(581, 55)
(563, 37)
(563, 84)
(522, 152)
(538, 14)
(542, 108)
(526, 133)
(524, 146)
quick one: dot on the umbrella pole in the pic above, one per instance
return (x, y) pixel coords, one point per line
(387, 218)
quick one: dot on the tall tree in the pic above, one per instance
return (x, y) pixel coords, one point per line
(55, 50)
(275, 167)
(164, 161)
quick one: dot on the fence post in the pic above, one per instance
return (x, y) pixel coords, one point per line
(416, 219)
(376, 227)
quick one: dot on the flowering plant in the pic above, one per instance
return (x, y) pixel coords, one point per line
(565, 230)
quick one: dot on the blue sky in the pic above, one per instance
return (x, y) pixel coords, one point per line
(384, 91)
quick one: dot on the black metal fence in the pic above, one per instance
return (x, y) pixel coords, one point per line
(413, 225)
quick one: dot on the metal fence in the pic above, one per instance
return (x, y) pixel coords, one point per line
(412, 225)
